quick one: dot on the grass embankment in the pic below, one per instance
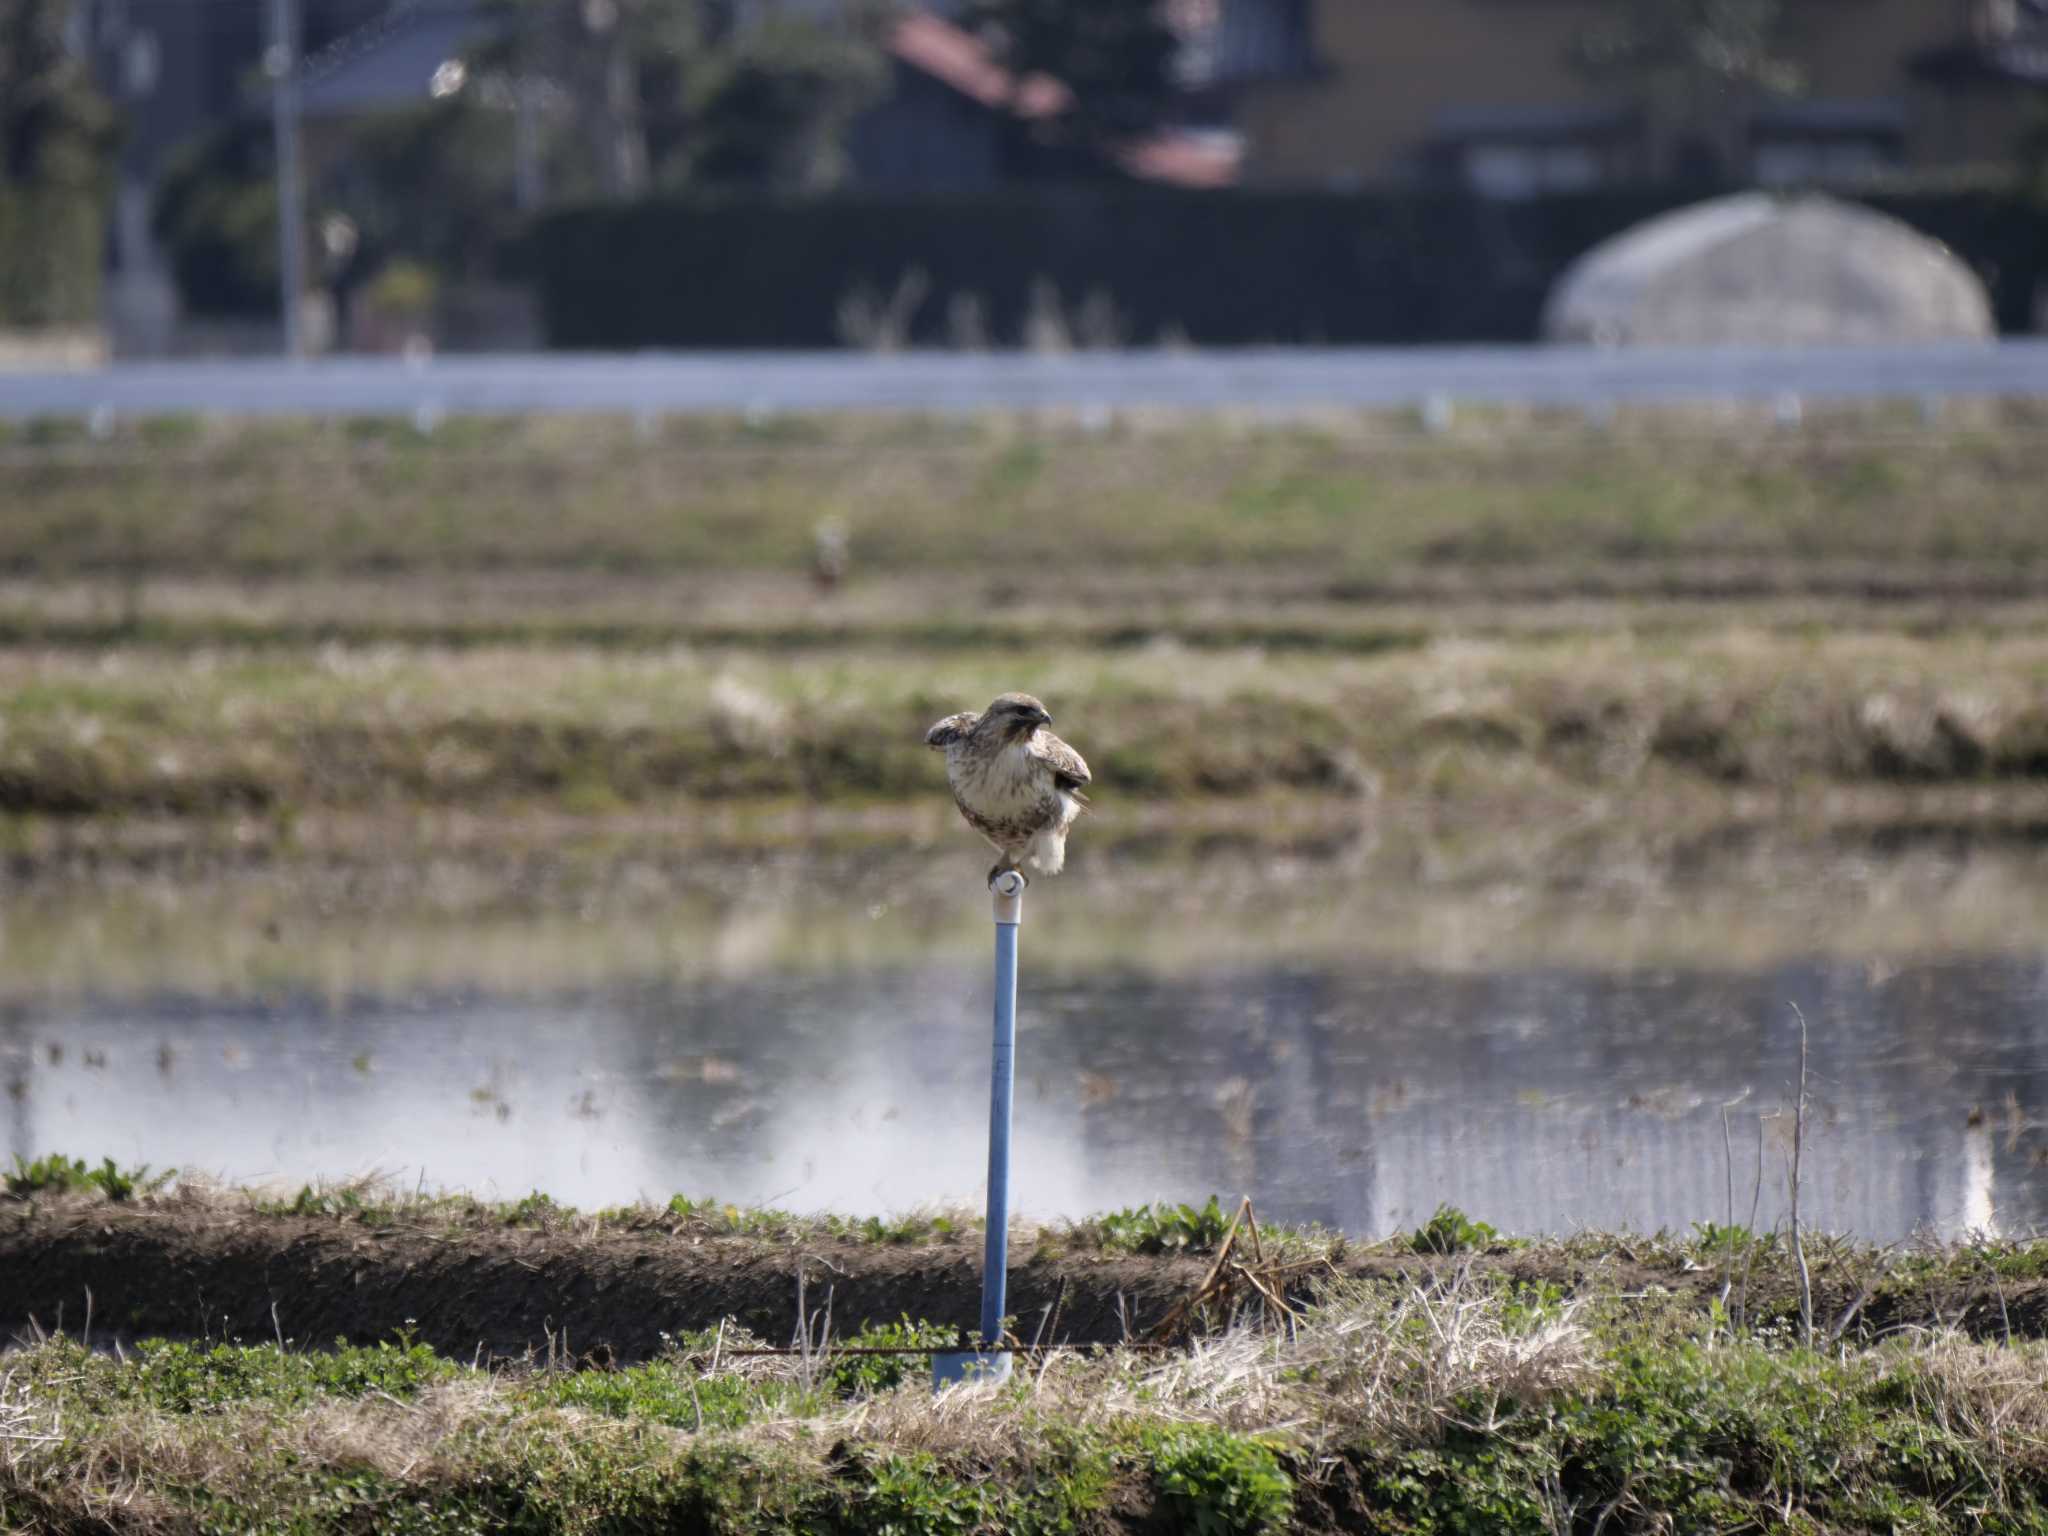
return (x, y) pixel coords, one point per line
(1485, 1408)
(1534, 1387)
(584, 731)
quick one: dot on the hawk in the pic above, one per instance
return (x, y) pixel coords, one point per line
(1017, 784)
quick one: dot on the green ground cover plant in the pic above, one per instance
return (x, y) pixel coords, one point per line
(59, 1175)
(1450, 1230)
(1164, 1227)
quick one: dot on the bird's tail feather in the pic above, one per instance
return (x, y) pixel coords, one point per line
(1049, 851)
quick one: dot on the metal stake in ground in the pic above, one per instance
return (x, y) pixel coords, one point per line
(991, 1362)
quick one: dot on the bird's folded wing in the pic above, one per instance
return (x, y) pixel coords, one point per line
(950, 729)
(1069, 771)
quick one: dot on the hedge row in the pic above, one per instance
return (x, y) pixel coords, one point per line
(1219, 268)
(50, 257)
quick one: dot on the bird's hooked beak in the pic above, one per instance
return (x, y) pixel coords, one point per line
(1043, 717)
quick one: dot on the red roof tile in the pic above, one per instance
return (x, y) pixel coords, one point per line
(961, 60)
(1182, 159)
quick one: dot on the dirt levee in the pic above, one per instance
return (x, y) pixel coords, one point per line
(180, 1273)
(194, 1269)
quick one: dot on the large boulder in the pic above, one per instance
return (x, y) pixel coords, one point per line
(1759, 270)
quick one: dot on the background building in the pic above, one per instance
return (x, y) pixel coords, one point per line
(1496, 96)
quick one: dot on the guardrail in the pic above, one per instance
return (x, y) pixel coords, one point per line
(1095, 384)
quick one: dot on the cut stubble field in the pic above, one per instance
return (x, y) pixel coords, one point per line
(204, 619)
(1361, 505)
(280, 732)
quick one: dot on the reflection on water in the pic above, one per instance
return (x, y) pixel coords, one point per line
(1354, 1087)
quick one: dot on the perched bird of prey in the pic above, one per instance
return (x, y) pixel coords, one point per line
(1017, 784)
(830, 554)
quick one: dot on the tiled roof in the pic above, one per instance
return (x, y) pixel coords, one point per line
(390, 62)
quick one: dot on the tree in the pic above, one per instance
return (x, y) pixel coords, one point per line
(618, 97)
(770, 107)
(56, 136)
(688, 93)
(55, 130)
(1115, 56)
(1696, 63)
(216, 213)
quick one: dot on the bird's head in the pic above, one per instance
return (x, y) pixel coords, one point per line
(1015, 714)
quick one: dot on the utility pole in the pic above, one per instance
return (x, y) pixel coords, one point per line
(528, 190)
(283, 67)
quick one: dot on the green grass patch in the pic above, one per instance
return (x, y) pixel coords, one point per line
(670, 1393)
(1220, 1484)
(858, 1375)
(1163, 1228)
(56, 1174)
(1369, 495)
(186, 1377)
(1450, 1230)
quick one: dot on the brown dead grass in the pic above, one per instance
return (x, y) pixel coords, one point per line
(1996, 1397)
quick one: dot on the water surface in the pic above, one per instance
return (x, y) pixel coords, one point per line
(1336, 1031)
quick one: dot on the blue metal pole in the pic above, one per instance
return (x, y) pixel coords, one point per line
(990, 1362)
(995, 1258)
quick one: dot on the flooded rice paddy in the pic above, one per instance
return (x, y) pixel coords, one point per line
(1350, 1030)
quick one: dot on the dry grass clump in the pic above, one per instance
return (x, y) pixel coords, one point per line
(1412, 1365)
(1992, 1396)
(25, 1424)
(1362, 1362)
(1361, 1365)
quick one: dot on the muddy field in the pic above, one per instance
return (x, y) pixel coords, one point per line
(610, 1289)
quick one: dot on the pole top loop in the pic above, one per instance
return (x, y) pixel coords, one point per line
(1008, 890)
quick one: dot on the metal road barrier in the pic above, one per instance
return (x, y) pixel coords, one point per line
(1093, 384)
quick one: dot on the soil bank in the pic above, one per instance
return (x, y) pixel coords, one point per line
(611, 1291)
